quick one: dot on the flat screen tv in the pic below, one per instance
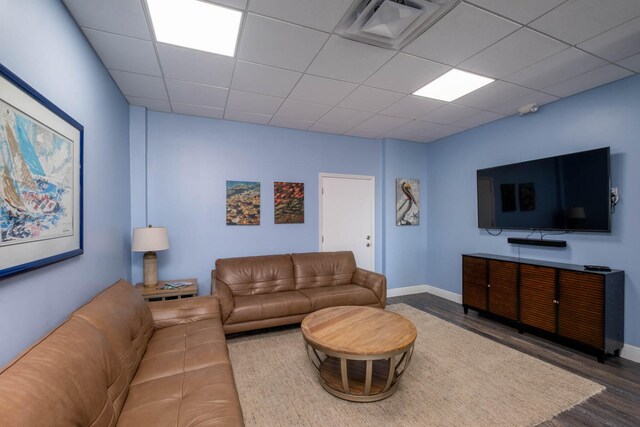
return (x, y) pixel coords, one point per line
(569, 193)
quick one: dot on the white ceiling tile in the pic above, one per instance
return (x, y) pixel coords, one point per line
(139, 85)
(445, 130)
(299, 110)
(449, 114)
(588, 80)
(197, 110)
(381, 124)
(344, 117)
(241, 116)
(633, 63)
(417, 128)
(493, 94)
(511, 107)
(481, 118)
(406, 74)
(513, 53)
(150, 104)
(321, 90)
(462, 33)
(264, 79)
(124, 17)
(370, 99)
(290, 123)
(578, 20)
(363, 133)
(395, 134)
(196, 94)
(554, 69)
(195, 66)
(253, 102)
(523, 11)
(323, 15)
(236, 4)
(617, 43)
(330, 128)
(124, 53)
(412, 107)
(348, 60)
(271, 42)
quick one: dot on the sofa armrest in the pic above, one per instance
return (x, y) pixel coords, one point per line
(185, 310)
(374, 281)
(222, 291)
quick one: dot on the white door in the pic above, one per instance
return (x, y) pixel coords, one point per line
(347, 216)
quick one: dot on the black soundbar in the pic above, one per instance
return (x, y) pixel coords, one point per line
(538, 242)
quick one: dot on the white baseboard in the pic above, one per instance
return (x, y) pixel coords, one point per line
(628, 352)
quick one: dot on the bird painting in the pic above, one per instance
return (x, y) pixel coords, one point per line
(407, 201)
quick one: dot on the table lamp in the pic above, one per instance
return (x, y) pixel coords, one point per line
(148, 240)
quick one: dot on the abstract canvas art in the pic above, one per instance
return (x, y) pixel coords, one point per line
(407, 201)
(243, 203)
(288, 202)
(40, 179)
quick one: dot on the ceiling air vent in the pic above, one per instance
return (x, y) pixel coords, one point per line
(391, 23)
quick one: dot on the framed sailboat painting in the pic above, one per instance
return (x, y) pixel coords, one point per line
(40, 179)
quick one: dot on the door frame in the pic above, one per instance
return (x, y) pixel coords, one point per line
(372, 181)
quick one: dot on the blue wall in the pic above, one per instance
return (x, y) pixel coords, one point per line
(605, 116)
(188, 161)
(40, 42)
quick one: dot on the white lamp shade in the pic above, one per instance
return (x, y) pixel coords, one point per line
(148, 239)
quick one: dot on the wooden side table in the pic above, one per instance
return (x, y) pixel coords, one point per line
(157, 294)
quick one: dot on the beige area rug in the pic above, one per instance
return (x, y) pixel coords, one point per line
(456, 378)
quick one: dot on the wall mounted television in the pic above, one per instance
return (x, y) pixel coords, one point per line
(567, 193)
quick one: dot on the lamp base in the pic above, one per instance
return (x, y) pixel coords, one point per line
(150, 266)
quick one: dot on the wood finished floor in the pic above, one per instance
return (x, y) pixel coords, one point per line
(618, 405)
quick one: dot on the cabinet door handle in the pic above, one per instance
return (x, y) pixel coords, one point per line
(488, 285)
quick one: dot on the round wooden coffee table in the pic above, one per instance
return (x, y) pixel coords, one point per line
(360, 352)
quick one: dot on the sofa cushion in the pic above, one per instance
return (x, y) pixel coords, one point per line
(70, 378)
(268, 306)
(256, 275)
(318, 269)
(339, 295)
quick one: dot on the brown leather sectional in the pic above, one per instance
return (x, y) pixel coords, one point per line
(121, 361)
(265, 291)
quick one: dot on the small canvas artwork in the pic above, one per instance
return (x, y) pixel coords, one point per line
(508, 195)
(527, 196)
(243, 203)
(288, 202)
(407, 201)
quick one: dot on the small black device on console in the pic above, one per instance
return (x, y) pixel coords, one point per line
(597, 268)
(538, 242)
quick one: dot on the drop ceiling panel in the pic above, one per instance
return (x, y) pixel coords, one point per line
(449, 114)
(380, 124)
(363, 133)
(330, 128)
(588, 80)
(417, 128)
(446, 130)
(322, 15)
(256, 103)
(513, 53)
(299, 110)
(272, 42)
(195, 66)
(523, 11)
(321, 90)
(290, 123)
(344, 117)
(139, 85)
(479, 119)
(240, 116)
(632, 63)
(578, 20)
(348, 60)
(554, 69)
(124, 53)
(412, 107)
(151, 104)
(196, 94)
(235, 4)
(264, 79)
(406, 74)
(511, 107)
(462, 33)
(617, 43)
(370, 99)
(124, 17)
(197, 110)
(493, 94)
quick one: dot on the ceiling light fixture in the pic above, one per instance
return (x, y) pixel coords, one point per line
(196, 24)
(452, 85)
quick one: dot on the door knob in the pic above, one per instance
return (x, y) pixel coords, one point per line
(368, 244)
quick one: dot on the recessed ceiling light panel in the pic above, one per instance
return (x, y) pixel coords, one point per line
(452, 85)
(196, 24)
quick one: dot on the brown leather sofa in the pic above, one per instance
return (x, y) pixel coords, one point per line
(120, 361)
(265, 291)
